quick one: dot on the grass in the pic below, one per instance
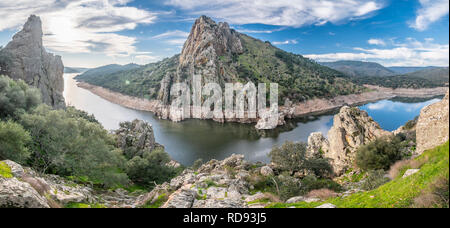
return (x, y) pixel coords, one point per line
(5, 170)
(84, 205)
(158, 203)
(399, 193)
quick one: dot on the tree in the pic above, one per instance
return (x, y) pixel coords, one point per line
(72, 146)
(13, 142)
(379, 154)
(150, 168)
(292, 157)
(16, 97)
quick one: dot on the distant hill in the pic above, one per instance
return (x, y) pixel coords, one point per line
(106, 70)
(360, 69)
(406, 70)
(427, 78)
(74, 70)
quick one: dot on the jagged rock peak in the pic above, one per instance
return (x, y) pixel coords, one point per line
(352, 128)
(28, 60)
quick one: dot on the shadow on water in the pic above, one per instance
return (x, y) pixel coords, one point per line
(193, 139)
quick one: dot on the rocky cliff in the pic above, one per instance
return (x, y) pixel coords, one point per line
(352, 128)
(26, 58)
(432, 128)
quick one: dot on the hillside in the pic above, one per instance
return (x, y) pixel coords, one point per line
(406, 70)
(360, 69)
(74, 70)
(428, 78)
(223, 55)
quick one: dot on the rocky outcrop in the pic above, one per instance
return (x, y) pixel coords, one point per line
(216, 184)
(27, 59)
(137, 135)
(432, 128)
(352, 128)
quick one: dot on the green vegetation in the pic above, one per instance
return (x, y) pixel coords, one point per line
(292, 157)
(158, 202)
(5, 170)
(13, 142)
(401, 192)
(379, 154)
(360, 69)
(71, 143)
(375, 179)
(16, 98)
(83, 205)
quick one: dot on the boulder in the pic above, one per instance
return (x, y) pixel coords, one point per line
(183, 198)
(432, 128)
(18, 194)
(327, 205)
(266, 171)
(410, 172)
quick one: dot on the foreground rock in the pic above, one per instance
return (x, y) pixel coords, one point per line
(352, 128)
(432, 128)
(216, 184)
(26, 58)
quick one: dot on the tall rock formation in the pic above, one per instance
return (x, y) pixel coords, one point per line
(352, 128)
(432, 128)
(206, 43)
(26, 58)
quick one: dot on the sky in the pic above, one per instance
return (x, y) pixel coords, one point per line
(92, 33)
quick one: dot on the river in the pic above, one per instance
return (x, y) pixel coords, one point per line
(193, 139)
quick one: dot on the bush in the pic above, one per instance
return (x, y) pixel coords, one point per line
(292, 157)
(13, 142)
(438, 197)
(16, 98)
(379, 154)
(73, 146)
(310, 183)
(197, 164)
(375, 179)
(151, 168)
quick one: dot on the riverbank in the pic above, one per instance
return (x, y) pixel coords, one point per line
(310, 107)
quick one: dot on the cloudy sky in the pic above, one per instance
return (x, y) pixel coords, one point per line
(90, 33)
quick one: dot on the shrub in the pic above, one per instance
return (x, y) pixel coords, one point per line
(292, 157)
(310, 183)
(13, 142)
(197, 164)
(16, 97)
(438, 197)
(379, 154)
(151, 168)
(375, 179)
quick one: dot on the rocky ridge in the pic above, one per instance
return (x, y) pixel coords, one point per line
(26, 58)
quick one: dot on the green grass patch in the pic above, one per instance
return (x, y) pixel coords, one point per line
(158, 203)
(400, 192)
(84, 205)
(5, 170)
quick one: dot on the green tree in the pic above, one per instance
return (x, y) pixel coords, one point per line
(292, 157)
(150, 168)
(13, 141)
(16, 97)
(379, 154)
(68, 145)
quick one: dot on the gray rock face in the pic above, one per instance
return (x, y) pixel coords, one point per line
(410, 172)
(138, 135)
(28, 60)
(18, 194)
(327, 205)
(266, 171)
(432, 128)
(352, 128)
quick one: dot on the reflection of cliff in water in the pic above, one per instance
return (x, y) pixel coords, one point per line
(411, 100)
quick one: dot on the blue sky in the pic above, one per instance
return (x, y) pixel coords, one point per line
(90, 33)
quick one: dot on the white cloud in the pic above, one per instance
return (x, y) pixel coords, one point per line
(410, 53)
(295, 13)
(175, 33)
(80, 26)
(430, 12)
(260, 31)
(376, 42)
(285, 42)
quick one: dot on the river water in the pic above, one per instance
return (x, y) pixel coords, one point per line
(193, 139)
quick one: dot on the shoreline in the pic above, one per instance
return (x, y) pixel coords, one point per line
(311, 107)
